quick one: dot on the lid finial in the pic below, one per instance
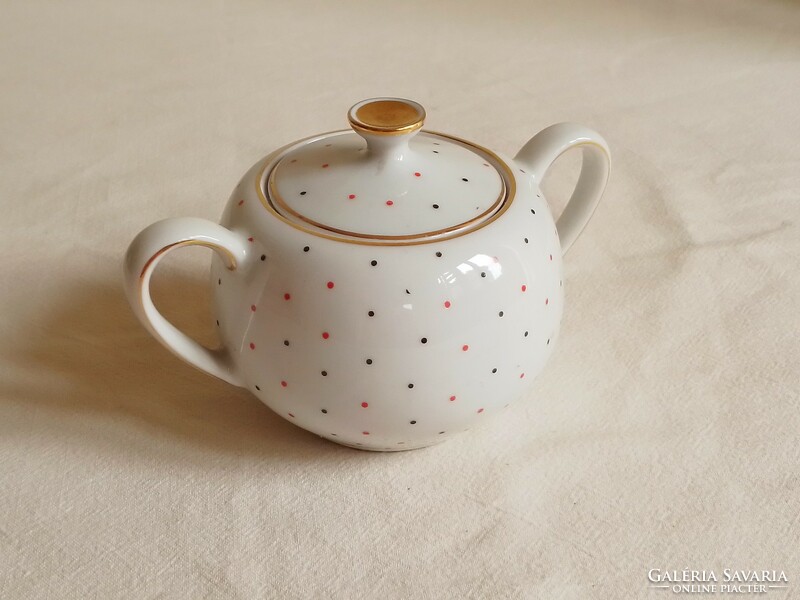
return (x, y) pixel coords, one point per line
(386, 116)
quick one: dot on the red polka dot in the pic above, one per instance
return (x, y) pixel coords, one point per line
(325, 335)
(447, 304)
(389, 203)
(480, 410)
(287, 296)
(325, 166)
(352, 196)
(524, 287)
(330, 285)
(465, 347)
(241, 202)
(365, 432)
(551, 257)
(284, 384)
(252, 346)
(290, 414)
(249, 239)
(253, 307)
(546, 301)
(485, 164)
(521, 375)
(417, 174)
(452, 398)
(364, 404)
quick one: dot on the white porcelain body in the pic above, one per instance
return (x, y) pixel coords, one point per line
(382, 347)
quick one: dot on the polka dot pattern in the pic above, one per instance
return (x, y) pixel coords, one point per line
(393, 348)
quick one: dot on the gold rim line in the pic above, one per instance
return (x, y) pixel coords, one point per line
(377, 130)
(231, 262)
(231, 266)
(509, 181)
(278, 199)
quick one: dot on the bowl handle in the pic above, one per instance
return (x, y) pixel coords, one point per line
(542, 151)
(141, 259)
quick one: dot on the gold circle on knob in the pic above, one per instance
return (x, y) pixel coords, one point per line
(387, 116)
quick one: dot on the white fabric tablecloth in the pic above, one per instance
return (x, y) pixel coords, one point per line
(663, 433)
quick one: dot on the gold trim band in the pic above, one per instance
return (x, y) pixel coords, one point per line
(507, 176)
(278, 199)
(231, 259)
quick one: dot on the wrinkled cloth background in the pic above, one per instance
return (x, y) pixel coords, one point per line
(663, 433)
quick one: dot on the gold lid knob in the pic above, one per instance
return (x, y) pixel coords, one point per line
(386, 116)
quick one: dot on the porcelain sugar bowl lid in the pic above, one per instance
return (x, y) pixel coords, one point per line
(390, 183)
(384, 286)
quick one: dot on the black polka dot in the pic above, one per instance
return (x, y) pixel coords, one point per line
(548, 341)
(483, 274)
(324, 373)
(438, 255)
(374, 263)
(500, 314)
(435, 206)
(258, 388)
(464, 179)
(523, 170)
(217, 323)
(369, 361)
(324, 411)
(441, 432)
(285, 342)
(219, 281)
(436, 152)
(263, 257)
(306, 249)
(533, 212)
(494, 370)
(410, 386)
(407, 292)
(526, 240)
(424, 340)
(413, 422)
(371, 313)
(436, 144)
(526, 334)
(302, 193)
